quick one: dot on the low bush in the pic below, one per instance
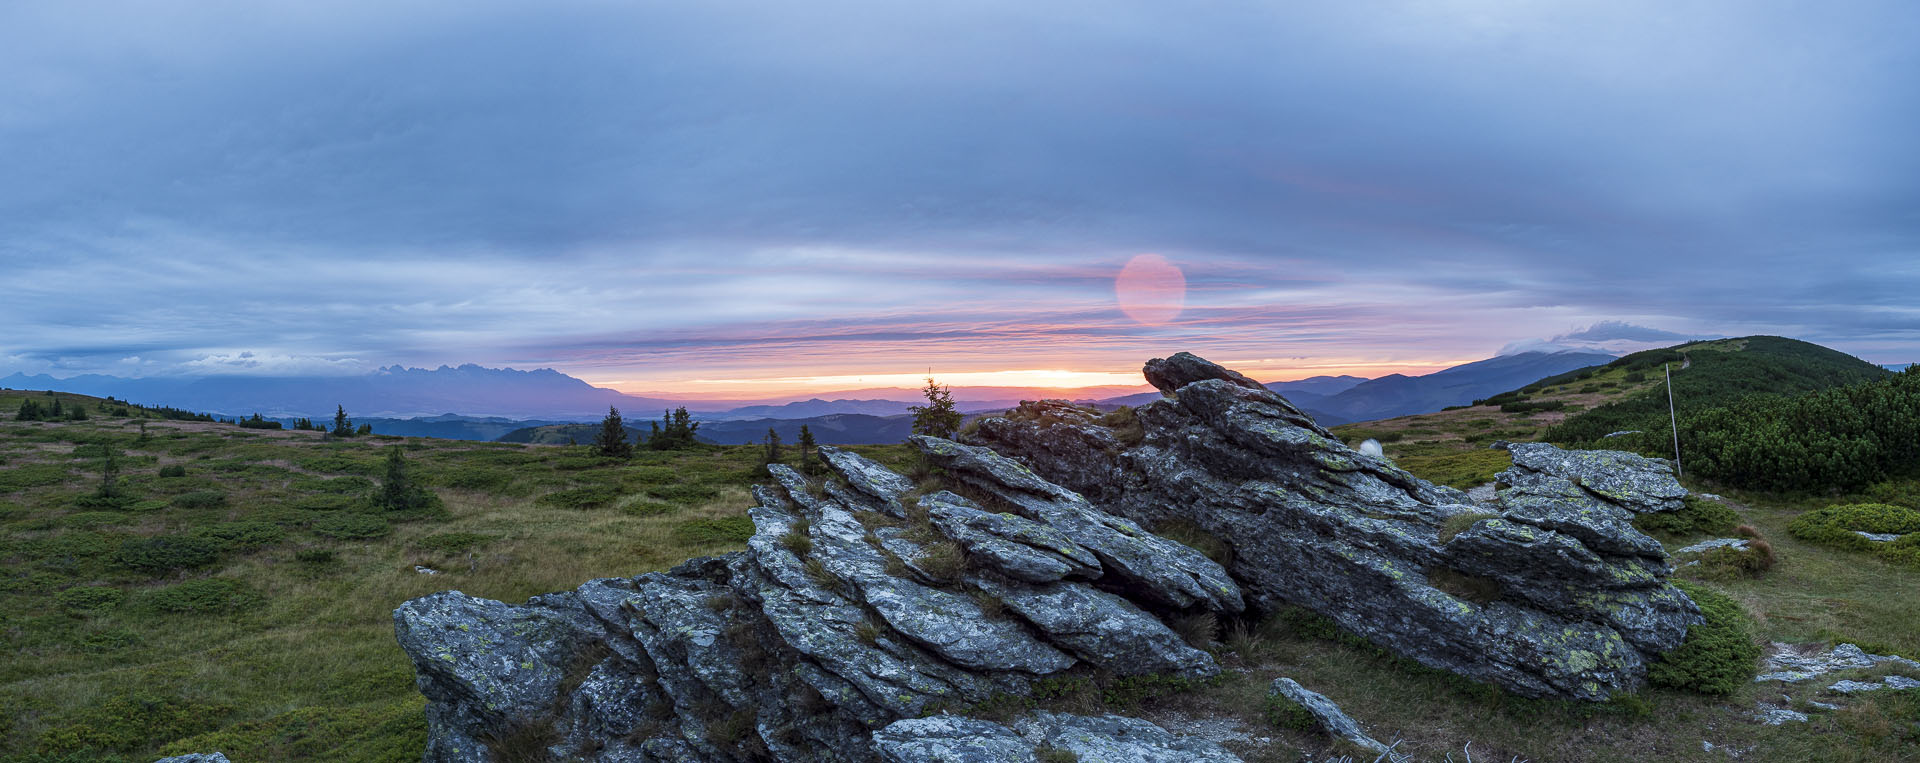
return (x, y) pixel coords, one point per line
(173, 470)
(127, 722)
(200, 499)
(89, 598)
(587, 497)
(1840, 527)
(165, 553)
(243, 536)
(351, 526)
(453, 543)
(684, 494)
(1698, 516)
(208, 596)
(1718, 656)
(724, 530)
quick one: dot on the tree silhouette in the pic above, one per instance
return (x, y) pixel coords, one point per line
(806, 444)
(939, 417)
(342, 426)
(612, 440)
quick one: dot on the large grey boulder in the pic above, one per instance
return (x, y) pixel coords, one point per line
(835, 621)
(198, 757)
(1616, 478)
(1550, 593)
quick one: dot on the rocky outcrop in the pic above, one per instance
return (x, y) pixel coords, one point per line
(858, 603)
(1549, 591)
(198, 757)
(870, 612)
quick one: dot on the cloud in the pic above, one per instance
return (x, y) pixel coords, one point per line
(660, 190)
(1610, 337)
(249, 363)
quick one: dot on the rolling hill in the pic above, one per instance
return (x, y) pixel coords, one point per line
(1398, 395)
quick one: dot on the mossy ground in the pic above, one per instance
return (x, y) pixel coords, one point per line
(282, 648)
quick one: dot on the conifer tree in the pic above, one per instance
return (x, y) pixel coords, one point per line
(806, 445)
(773, 447)
(342, 426)
(674, 431)
(398, 491)
(109, 476)
(939, 417)
(612, 440)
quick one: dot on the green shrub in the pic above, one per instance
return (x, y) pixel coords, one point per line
(318, 557)
(684, 494)
(587, 497)
(211, 595)
(108, 640)
(1836, 525)
(128, 722)
(1529, 406)
(477, 478)
(324, 502)
(89, 598)
(173, 470)
(724, 530)
(200, 499)
(243, 536)
(1284, 713)
(1126, 692)
(1698, 516)
(452, 543)
(351, 526)
(1718, 655)
(165, 553)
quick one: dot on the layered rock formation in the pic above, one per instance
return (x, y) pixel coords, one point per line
(1549, 591)
(867, 607)
(859, 602)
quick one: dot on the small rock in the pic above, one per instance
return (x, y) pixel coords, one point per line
(1621, 433)
(1855, 687)
(1901, 682)
(425, 570)
(1878, 537)
(198, 757)
(1329, 714)
(1788, 662)
(1708, 545)
(1710, 496)
(1823, 705)
(1774, 716)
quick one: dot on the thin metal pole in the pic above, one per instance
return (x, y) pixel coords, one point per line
(1668, 367)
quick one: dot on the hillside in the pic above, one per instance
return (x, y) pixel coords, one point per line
(1709, 375)
(1398, 395)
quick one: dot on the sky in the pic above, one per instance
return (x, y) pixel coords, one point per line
(761, 197)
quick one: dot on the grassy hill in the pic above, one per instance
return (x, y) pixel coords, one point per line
(278, 644)
(1581, 408)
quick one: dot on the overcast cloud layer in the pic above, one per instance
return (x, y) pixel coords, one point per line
(645, 193)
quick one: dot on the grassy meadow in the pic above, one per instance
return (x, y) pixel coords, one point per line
(237, 597)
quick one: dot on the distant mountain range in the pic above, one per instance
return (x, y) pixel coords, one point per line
(505, 404)
(392, 392)
(1398, 395)
(831, 429)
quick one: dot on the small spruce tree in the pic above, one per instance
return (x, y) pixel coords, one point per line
(342, 426)
(939, 417)
(806, 446)
(109, 489)
(773, 447)
(612, 440)
(364, 429)
(398, 490)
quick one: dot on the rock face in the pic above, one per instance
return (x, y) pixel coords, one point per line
(955, 739)
(867, 608)
(1549, 592)
(1627, 480)
(857, 604)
